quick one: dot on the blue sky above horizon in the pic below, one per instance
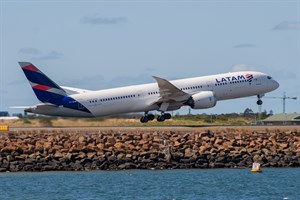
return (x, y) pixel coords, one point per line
(102, 44)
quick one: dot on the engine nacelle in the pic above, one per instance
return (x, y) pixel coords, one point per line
(201, 100)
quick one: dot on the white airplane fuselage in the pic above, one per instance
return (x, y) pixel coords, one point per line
(148, 97)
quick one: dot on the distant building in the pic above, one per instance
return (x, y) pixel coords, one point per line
(4, 114)
(9, 118)
(283, 119)
(17, 115)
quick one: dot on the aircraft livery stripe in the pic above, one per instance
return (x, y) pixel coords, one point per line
(47, 88)
(57, 91)
(31, 68)
(41, 87)
(57, 97)
(71, 103)
(39, 78)
(49, 97)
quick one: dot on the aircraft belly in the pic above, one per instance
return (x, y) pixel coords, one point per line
(59, 111)
(118, 108)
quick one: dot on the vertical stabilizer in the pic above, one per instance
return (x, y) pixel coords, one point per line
(44, 88)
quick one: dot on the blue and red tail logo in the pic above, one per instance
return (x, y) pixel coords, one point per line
(44, 88)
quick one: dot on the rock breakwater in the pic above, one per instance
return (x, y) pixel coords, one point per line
(45, 150)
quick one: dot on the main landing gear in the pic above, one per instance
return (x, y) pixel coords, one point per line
(163, 117)
(149, 117)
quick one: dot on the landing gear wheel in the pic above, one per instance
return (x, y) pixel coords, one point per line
(144, 119)
(161, 118)
(259, 102)
(167, 116)
(150, 117)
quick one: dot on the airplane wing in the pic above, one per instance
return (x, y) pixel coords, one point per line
(171, 97)
(75, 90)
(169, 92)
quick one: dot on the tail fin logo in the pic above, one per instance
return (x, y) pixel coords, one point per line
(47, 91)
(41, 87)
(30, 67)
(47, 88)
(44, 88)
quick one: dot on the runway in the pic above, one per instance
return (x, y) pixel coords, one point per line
(159, 128)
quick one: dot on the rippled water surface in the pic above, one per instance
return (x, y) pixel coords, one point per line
(144, 184)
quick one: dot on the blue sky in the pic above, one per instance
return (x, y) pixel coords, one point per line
(104, 44)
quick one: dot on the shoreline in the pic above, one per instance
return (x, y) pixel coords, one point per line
(118, 148)
(137, 170)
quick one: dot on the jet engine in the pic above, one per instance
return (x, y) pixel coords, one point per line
(201, 100)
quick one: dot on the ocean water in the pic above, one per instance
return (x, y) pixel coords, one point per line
(231, 184)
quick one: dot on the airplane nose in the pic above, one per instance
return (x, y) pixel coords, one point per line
(275, 84)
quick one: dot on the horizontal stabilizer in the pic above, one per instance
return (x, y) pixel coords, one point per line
(73, 90)
(20, 107)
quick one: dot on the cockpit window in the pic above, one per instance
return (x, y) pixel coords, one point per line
(269, 77)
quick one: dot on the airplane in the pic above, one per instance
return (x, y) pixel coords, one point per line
(198, 93)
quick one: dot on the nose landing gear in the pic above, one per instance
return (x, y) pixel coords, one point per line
(259, 101)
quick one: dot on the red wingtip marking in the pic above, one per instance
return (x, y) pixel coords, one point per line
(31, 68)
(41, 87)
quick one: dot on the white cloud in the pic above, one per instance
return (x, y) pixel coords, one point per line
(39, 55)
(242, 67)
(286, 25)
(49, 56)
(30, 50)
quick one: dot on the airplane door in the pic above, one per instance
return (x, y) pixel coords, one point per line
(140, 94)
